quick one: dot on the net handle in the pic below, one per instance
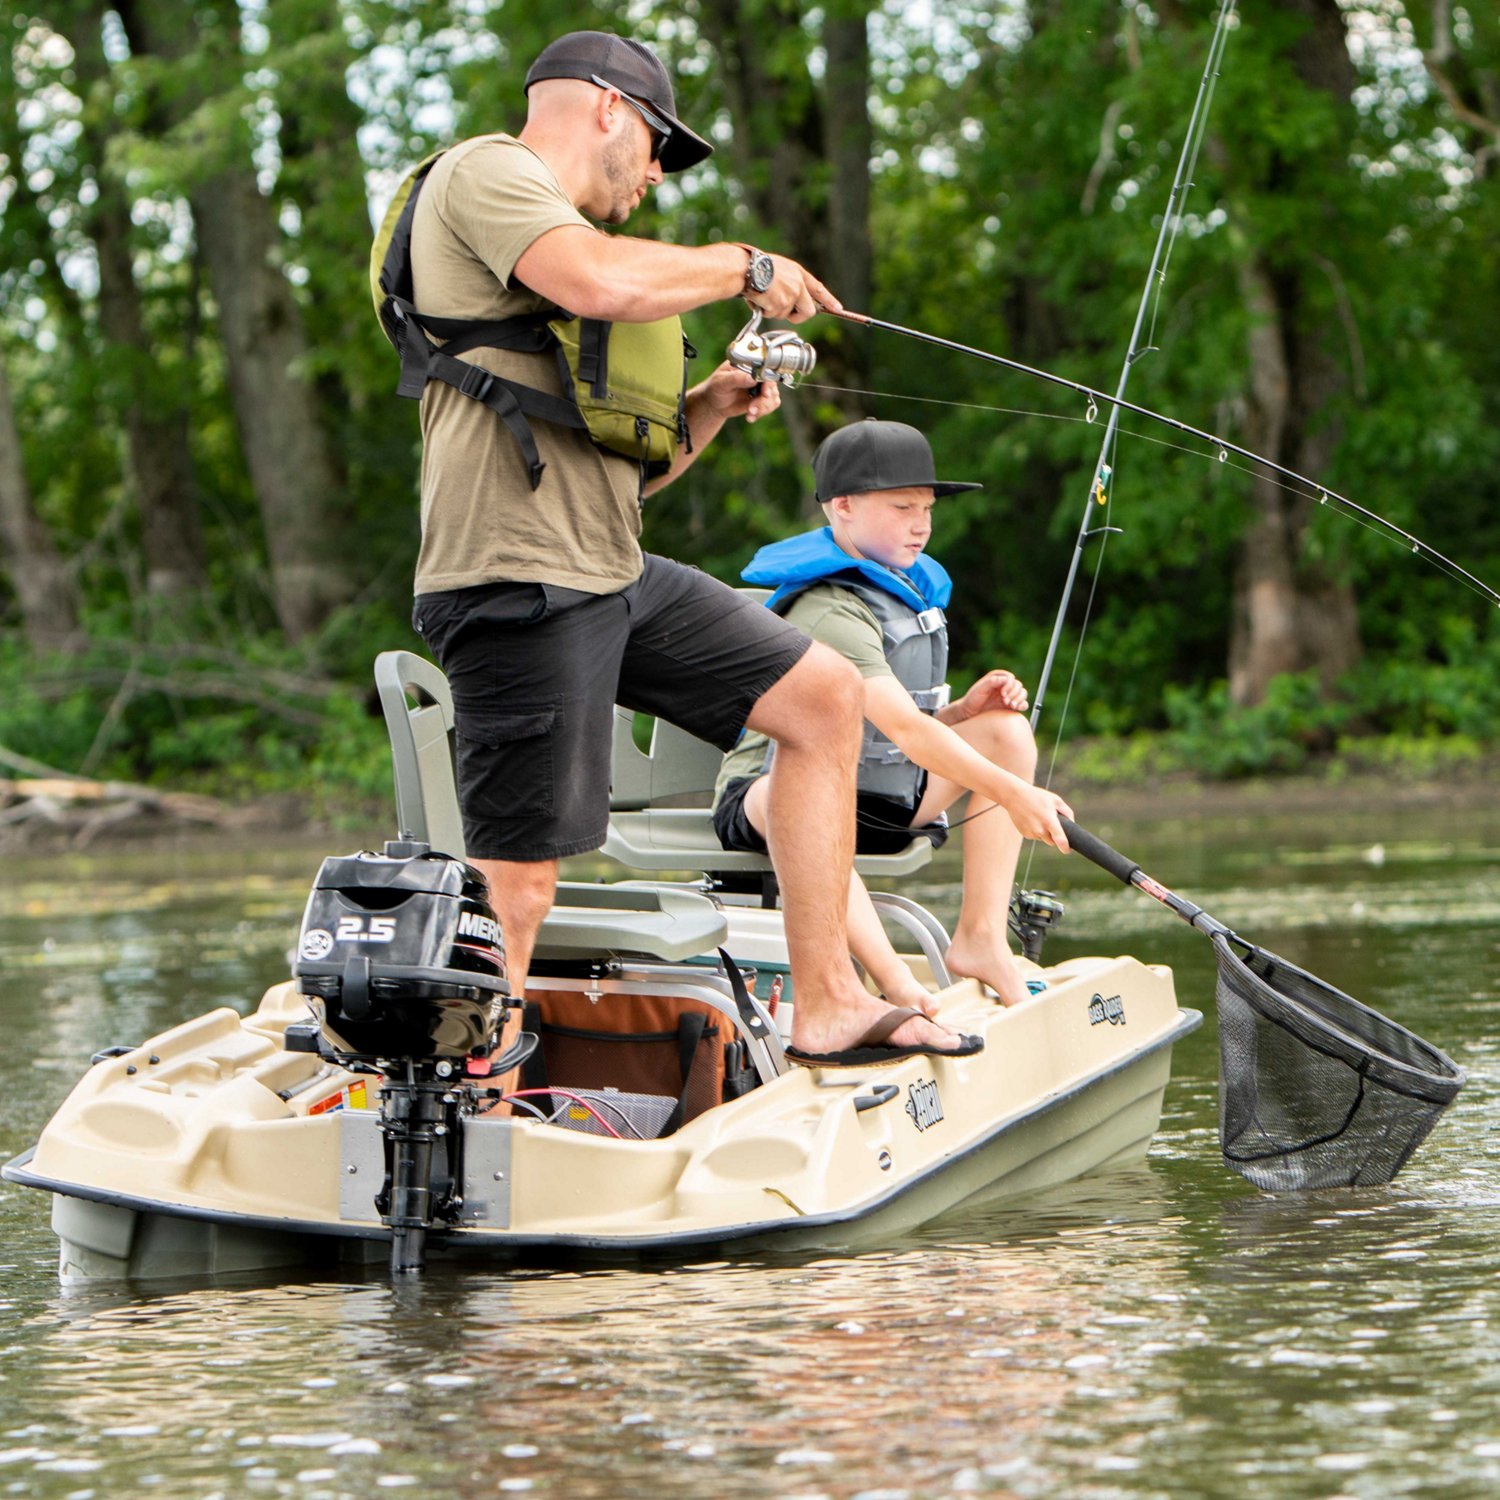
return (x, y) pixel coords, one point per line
(1128, 872)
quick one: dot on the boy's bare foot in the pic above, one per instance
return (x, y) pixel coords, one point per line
(914, 996)
(991, 963)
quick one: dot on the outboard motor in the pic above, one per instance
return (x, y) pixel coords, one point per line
(403, 964)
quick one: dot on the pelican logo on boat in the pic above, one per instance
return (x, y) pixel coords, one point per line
(486, 929)
(924, 1104)
(1111, 1009)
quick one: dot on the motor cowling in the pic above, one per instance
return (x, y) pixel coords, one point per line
(401, 956)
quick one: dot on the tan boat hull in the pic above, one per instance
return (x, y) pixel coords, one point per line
(186, 1157)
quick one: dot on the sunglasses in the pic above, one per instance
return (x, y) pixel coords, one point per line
(661, 132)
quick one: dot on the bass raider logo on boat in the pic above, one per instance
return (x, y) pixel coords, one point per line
(1110, 1008)
(924, 1104)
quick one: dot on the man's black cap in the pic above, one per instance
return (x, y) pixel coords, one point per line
(632, 68)
(873, 455)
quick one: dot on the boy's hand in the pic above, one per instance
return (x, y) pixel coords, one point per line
(1035, 813)
(997, 689)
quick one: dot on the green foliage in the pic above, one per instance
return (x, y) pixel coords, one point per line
(1282, 734)
(1022, 158)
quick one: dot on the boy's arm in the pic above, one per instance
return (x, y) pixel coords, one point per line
(939, 751)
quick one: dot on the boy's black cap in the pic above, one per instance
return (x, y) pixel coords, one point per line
(632, 68)
(873, 455)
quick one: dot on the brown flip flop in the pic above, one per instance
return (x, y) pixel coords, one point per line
(872, 1051)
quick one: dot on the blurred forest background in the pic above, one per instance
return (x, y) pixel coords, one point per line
(208, 488)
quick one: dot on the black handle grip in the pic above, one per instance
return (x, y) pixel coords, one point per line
(1081, 841)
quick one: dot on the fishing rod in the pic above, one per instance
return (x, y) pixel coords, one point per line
(1313, 490)
(1098, 490)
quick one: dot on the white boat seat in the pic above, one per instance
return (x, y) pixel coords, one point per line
(661, 823)
(660, 817)
(418, 709)
(589, 919)
(593, 921)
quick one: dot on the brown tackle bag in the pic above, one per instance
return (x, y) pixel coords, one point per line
(665, 1046)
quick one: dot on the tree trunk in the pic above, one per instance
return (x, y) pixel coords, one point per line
(265, 345)
(40, 579)
(275, 408)
(801, 152)
(153, 410)
(1291, 615)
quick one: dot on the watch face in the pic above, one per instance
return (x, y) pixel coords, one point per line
(761, 272)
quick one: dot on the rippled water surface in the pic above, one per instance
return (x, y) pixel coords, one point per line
(1162, 1331)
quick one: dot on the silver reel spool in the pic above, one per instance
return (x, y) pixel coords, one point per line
(780, 355)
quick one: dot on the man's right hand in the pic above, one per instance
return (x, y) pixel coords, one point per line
(794, 294)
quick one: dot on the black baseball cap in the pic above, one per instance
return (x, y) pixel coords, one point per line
(632, 68)
(872, 455)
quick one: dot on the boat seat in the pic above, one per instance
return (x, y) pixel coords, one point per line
(418, 708)
(588, 920)
(661, 822)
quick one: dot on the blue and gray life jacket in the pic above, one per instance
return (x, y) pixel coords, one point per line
(913, 630)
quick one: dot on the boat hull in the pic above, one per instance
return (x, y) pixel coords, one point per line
(195, 1164)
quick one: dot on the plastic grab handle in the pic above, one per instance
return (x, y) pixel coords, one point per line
(1081, 841)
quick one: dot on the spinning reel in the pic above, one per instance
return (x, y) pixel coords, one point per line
(1033, 914)
(780, 355)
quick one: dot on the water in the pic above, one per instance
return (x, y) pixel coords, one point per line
(1163, 1331)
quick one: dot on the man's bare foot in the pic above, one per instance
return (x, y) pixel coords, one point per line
(847, 1025)
(991, 963)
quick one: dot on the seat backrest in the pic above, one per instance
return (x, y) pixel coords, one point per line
(418, 710)
(676, 769)
(677, 766)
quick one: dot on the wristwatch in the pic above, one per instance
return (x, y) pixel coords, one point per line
(761, 271)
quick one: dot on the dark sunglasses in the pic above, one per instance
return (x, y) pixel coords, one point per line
(661, 132)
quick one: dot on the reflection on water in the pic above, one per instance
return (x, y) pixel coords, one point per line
(1162, 1331)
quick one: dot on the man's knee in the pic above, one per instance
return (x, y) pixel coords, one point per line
(820, 701)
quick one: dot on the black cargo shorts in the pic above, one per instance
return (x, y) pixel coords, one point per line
(536, 671)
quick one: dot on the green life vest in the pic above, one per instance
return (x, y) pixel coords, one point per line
(624, 383)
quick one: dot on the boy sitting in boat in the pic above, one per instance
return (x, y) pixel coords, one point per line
(863, 585)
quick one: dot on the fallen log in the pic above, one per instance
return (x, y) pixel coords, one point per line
(85, 808)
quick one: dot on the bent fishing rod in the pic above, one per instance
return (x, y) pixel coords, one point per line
(1313, 489)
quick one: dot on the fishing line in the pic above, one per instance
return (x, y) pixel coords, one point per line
(1009, 411)
(1312, 490)
(1377, 525)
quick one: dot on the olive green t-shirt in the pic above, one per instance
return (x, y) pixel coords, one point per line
(839, 618)
(483, 205)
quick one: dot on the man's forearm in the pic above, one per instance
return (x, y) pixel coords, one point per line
(619, 279)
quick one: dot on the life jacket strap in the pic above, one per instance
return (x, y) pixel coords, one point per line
(511, 402)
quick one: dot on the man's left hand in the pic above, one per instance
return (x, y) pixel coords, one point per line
(729, 392)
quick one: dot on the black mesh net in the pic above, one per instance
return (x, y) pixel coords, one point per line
(1315, 1089)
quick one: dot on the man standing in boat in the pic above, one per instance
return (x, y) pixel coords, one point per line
(532, 590)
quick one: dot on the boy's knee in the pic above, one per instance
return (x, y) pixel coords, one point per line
(1006, 738)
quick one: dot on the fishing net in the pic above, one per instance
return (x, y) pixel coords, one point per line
(1315, 1089)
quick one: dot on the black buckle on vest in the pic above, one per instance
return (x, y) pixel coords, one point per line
(476, 382)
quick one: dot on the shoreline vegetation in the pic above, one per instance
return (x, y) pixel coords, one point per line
(1145, 776)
